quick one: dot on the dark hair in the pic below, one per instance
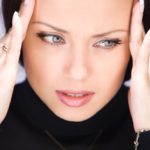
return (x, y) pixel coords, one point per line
(9, 6)
(146, 18)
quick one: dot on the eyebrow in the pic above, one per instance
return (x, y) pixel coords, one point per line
(50, 26)
(65, 31)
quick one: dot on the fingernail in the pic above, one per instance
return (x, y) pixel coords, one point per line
(15, 19)
(141, 5)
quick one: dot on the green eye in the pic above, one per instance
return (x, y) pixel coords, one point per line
(108, 43)
(52, 39)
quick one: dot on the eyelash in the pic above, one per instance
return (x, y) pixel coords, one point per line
(43, 37)
(113, 42)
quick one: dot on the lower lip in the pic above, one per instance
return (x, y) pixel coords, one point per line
(73, 101)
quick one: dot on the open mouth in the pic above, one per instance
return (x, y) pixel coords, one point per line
(74, 98)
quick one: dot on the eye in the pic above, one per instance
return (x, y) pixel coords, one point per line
(107, 43)
(51, 38)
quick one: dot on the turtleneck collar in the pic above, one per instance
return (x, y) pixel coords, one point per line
(33, 111)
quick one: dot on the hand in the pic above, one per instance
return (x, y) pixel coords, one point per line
(10, 46)
(139, 93)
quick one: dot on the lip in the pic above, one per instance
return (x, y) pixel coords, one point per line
(74, 98)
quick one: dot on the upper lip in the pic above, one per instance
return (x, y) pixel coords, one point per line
(75, 92)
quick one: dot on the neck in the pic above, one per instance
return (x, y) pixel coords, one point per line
(29, 106)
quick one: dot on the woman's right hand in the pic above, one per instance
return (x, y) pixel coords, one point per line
(10, 46)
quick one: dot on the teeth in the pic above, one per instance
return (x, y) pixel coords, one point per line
(75, 95)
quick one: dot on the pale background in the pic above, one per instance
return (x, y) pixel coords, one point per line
(1, 22)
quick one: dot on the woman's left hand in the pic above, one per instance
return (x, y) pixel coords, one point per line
(139, 93)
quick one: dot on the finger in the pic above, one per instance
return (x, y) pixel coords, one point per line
(137, 30)
(15, 42)
(142, 63)
(134, 2)
(3, 52)
(25, 13)
(4, 41)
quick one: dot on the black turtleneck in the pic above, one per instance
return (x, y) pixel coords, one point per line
(112, 124)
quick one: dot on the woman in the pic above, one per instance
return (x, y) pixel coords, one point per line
(76, 55)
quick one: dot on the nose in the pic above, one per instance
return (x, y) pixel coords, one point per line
(78, 67)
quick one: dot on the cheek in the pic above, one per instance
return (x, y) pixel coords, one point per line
(112, 68)
(43, 63)
(39, 66)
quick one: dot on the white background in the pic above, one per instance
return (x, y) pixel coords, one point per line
(1, 22)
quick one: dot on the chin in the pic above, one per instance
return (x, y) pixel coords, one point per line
(74, 115)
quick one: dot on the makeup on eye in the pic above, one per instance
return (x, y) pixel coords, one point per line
(108, 43)
(56, 40)
(51, 38)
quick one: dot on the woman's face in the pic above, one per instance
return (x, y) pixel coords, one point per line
(76, 53)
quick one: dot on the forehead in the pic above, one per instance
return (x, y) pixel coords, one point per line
(81, 13)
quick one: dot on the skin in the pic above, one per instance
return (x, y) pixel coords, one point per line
(82, 65)
(9, 60)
